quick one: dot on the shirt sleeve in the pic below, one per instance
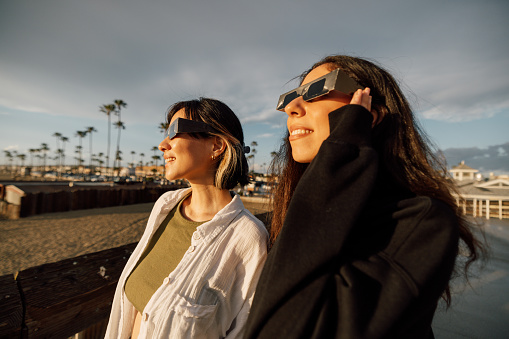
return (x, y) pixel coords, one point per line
(248, 274)
(252, 250)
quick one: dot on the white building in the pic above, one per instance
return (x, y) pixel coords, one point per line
(479, 198)
(463, 172)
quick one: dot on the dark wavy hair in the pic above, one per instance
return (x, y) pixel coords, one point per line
(232, 166)
(401, 144)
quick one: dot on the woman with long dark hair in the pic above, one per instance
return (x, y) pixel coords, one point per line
(365, 231)
(194, 272)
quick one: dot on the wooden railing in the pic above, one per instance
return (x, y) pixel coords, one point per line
(60, 299)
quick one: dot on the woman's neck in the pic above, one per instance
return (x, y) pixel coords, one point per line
(204, 202)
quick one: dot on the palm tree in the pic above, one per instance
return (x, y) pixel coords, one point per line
(163, 126)
(118, 158)
(60, 153)
(64, 140)
(120, 125)
(155, 148)
(156, 158)
(79, 158)
(57, 136)
(108, 109)
(38, 156)
(32, 151)
(133, 153)
(9, 156)
(22, 159)
(80, 135)
(90, 130)
(253, 151)
(119, 104)
(100, 160)
(14, 156)
(44, 148)
(142, 155)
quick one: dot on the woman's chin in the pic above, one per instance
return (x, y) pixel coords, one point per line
(303, 157)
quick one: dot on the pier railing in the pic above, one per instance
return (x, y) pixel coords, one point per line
(58, 300)
(61, 299)
(18, 202)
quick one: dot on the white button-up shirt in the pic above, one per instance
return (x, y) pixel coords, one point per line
(210, 292)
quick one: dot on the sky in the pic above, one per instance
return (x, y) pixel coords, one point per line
(61, 60)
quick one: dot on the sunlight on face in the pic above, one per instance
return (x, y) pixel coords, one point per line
(308, 121)
(188, 158)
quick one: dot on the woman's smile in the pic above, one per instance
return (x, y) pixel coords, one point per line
(168, 160)
(299, 133)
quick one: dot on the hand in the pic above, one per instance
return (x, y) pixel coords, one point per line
(362, 97)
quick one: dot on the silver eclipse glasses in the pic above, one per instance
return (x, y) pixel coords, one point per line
(335, 80)
(181, 125)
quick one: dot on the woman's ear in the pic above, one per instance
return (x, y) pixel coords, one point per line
(219, 146)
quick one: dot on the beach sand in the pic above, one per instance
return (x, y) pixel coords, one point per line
(46, 238)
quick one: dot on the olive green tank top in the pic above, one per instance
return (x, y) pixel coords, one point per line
(160, 258)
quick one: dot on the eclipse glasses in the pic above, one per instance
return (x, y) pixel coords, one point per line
(181, 125)
(335, 80)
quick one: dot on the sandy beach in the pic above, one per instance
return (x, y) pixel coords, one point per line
(51, 237)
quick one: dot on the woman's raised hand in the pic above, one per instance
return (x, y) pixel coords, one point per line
(362, 97)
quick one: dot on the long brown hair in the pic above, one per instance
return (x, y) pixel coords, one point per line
(403, 148)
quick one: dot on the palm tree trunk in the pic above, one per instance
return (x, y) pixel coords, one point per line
(108, 151)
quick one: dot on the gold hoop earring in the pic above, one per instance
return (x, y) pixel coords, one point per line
(213, 157)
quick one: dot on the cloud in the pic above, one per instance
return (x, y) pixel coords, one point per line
(11, 148)
(265, 135)
(459, 95)
(20, 107)
(502, 152)
(68, 58)
(490, 159)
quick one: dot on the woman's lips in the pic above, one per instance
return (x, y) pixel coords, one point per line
(299, 133)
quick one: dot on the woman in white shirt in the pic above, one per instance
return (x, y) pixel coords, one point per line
(195, 269)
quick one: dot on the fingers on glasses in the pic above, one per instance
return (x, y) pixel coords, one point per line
(363, 98)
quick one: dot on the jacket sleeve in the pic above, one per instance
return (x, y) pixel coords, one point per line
(312, 286)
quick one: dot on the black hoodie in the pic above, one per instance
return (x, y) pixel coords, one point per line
(358, 256)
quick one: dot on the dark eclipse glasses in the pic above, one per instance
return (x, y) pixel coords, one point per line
(181, 125)
(335, 80)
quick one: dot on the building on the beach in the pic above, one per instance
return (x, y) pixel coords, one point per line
(481, 198)
(463, 172)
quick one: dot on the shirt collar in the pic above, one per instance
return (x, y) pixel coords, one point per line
(210, 229)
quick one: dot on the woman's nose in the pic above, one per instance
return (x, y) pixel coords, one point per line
(295, 108)
(165, 144)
